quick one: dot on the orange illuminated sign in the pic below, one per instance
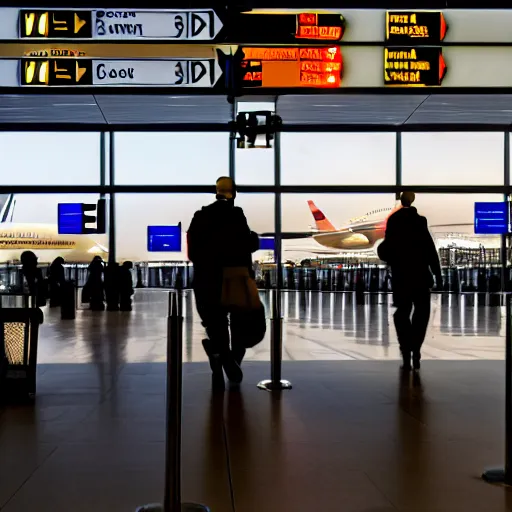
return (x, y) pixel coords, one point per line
(271, 53)
(292, 67)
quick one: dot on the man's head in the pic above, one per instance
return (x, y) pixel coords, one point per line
(28, 258)
(407, 198)
(225, 188)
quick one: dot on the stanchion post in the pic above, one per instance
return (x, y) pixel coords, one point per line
(172, 491)
(504, 475)
(276, 383)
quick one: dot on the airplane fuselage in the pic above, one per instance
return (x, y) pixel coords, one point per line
(45, 241)
(357, 236)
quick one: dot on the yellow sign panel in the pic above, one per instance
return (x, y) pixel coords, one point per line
(56, 72)
(55, 24)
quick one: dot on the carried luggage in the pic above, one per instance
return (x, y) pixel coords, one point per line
(239, 290)
(250, 326)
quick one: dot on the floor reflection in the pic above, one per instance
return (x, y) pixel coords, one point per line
(318, 326)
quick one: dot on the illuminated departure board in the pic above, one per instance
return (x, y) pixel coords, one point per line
(292, 67)
(128, 24)
(117, 72)
(414, 66)
(409, 27)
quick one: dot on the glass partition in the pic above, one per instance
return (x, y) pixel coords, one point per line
(453, 158)
(170, 158)
(49, 158)
(338, 158)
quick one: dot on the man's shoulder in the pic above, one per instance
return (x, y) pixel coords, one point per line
(204, 211)
(422, 220)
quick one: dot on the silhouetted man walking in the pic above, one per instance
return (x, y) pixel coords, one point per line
(412, 255)
(219, 238)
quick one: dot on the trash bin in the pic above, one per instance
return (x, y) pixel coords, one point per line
(19, 329)
(68, 304)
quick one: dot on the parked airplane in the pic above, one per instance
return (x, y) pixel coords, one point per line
(359, 234)
(363, 233)
(43, 239)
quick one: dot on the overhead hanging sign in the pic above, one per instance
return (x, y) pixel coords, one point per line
(105, 72)
(291, 67)
(120, 24)
(414, 66)
(410, 27)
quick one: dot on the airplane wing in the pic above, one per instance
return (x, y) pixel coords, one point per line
(310, 250)
(451, 225)
(291, 235)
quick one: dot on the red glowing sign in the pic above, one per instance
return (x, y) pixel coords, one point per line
(327, 27)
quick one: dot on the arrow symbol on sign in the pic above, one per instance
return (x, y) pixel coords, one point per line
(442, 68)
(80, 72)
(79, 23)
(198, 24)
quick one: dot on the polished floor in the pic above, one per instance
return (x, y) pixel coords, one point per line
(353, 435)
(318, 326)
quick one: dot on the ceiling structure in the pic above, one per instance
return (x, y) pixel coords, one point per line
(322, 112)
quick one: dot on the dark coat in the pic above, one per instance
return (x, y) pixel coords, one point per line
(409, 249)
(219, 237)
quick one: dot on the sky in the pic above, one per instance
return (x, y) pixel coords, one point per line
(199, 158)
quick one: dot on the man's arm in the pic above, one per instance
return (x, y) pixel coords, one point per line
(250, 238)
(432, 255)
(194, 238)
(254, 241)
(386, 247)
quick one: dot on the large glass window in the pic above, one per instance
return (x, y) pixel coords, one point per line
(49, 158)
(452, 158)
(254, 166)
(135, 212)
(453, 211)
(259, 211)
(338, 158)
(171, 158)
(339, 211)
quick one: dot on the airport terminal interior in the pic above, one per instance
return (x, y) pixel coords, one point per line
(354, 433)
(90, 399)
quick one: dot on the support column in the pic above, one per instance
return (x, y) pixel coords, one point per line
(111, 204)
(232, 142)
(398, 163)
(276, 383)
(103, 162)
(506, 182)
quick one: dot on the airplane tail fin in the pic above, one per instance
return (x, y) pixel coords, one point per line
(8, 209)
(321, 221)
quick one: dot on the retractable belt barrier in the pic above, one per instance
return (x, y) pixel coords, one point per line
(276, 383)
(172, 491)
